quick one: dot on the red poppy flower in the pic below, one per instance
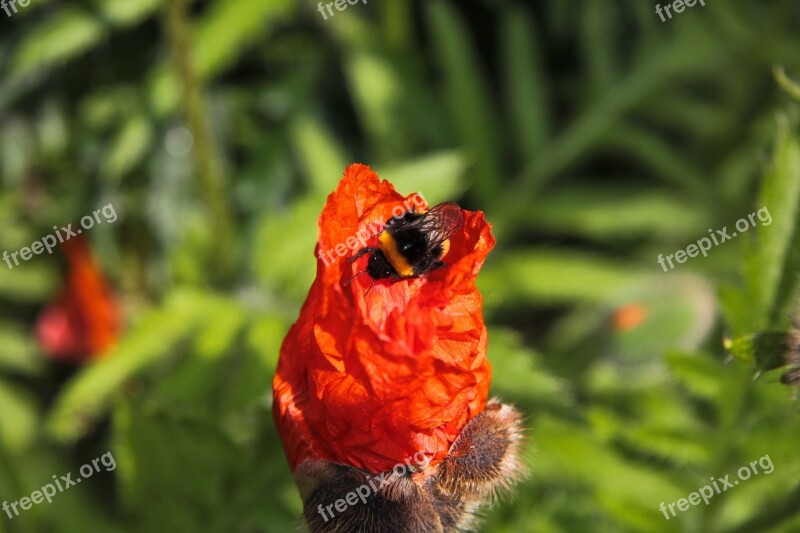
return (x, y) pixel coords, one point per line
(84, 320)
(369, 380)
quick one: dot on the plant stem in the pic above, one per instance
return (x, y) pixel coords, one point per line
(207, 161)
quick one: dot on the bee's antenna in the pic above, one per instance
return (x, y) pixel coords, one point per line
(346, 283)
(360, 253)
(370, 287)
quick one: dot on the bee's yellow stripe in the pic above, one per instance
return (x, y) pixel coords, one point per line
(395, 258)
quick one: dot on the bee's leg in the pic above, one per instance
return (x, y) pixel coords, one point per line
(436, 265)
(370, 287)
(361, 252)
(427, 265)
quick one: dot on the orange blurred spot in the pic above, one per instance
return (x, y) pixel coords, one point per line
(629, 317)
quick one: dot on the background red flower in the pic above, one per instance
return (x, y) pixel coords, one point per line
(84, 320)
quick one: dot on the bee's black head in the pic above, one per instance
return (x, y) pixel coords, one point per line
(378, 266)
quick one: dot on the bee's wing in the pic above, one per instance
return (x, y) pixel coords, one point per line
(439, 223)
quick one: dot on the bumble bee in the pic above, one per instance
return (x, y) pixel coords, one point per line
(411, 245)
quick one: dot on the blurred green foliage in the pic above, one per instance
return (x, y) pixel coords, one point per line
(594, 136)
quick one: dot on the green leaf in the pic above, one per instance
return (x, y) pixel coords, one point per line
(668, 162)
(598, 22)
(19, 425)
(66, 35)
(376, 90)
(220, 332)
(221, 34)
(697, 372)
(87, 396)
(552, 276)
(265, 338)
(666, 61)
(789, 86)
(319, 153)
(516, 371)
(654, 433)
(628, 489)
(292, 272)
(200, 467)
(122, 13)
(128, 148)
(616, 212)
(74, 30)
(18, 351)
(231, 25)
(467, 95)
(526, 81)
(27, 282)
(438, 177)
